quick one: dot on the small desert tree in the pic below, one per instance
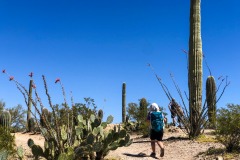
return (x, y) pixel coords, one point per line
(228, 127)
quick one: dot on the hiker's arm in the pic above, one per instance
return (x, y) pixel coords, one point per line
(165, 120)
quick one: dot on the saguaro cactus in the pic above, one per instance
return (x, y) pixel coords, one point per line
(45, 117)
(143, 108)
(195, 66)
(5, 120)
(211, 100)
(123, 102)
(29, 103)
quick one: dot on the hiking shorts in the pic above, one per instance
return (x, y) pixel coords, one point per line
(156, 135)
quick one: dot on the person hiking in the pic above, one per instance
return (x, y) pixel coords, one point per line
(156, 120)
(176, 111)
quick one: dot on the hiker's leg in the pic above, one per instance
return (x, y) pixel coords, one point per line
(160, 144)
(153, 146)
(153, 137)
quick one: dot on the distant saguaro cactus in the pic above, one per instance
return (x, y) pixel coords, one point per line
(211, 100)
(123, 102)
(5, 120)
(143, 108)
(45, 117)
(29, 104)
(31, 125)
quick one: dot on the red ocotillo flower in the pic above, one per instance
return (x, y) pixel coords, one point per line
(57, 80)
(11, 78)
(4, 71)
(33, 86)
(30, 74)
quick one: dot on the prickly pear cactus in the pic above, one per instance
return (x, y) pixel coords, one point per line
(98, 139)
(100, 114)
(211, 100)
(5, 120)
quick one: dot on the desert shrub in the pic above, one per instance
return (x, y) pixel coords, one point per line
(7, 142)
(18, 118)
(228, 127)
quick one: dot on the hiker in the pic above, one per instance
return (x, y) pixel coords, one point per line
(156, 120)
(175, 110)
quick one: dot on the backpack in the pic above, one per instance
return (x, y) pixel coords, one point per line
(157, 121)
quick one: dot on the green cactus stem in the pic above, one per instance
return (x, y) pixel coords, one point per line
(5, 120)
(211, 100)
(195, 67)
(124, 102)
(45, 117)
(31, 124)
(29, 103)
(143, 109)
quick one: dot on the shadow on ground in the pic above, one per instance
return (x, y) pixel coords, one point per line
(140, 155)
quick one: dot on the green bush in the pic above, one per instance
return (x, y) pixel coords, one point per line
(7, 142)
(228, 127)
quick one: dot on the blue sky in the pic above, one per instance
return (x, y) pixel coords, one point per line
(95, 46)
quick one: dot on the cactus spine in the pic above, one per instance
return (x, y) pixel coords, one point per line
(124, 102)
(195, 66)
(5, 120)
(29, 105)
(211, 100)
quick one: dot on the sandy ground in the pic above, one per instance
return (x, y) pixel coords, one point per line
(177, 147)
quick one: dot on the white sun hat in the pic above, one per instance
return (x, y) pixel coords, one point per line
(154, 107)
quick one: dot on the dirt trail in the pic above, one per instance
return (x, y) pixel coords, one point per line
(177, 147)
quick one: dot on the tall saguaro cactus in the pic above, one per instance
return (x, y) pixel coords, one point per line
(195, 66)
(29, 103)
(211, 100)
(123, 102)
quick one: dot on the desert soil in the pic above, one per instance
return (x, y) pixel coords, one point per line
(177, 147)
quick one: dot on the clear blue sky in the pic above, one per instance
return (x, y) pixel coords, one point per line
(95, 46)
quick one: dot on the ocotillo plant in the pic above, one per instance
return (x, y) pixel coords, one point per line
(29, 104)
(195, 67)
(5, 120)
(123, 102)
(211, 100)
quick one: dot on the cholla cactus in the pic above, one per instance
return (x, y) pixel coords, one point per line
(5, 120)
